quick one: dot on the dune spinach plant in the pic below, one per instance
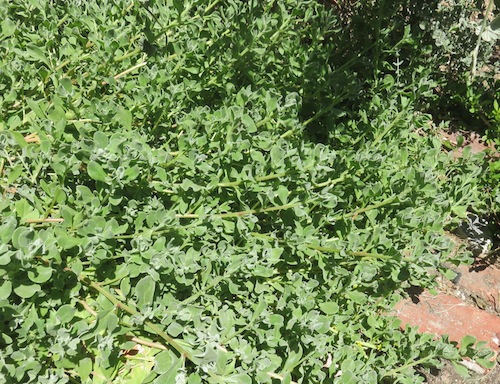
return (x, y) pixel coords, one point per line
(216, 191)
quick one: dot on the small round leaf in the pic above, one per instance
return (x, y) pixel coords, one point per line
(5, 290)
(40, 275)
(95, 171)
(26, 291)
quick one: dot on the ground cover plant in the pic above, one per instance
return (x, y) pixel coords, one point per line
(226, 192)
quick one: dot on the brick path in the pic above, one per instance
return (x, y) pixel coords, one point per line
(468, 306)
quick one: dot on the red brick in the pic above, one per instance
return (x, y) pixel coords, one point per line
(481, 283)
(444, 314)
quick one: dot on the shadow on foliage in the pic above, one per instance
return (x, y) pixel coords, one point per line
(355, 57)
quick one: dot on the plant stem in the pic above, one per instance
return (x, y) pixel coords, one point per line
(136, 339)
(489, 8)
(325, 110)
(351, 253)
(127, 55)
(258, 179)
(211, 5)
(148, 343)
(339, 179)
(46, 220)
(324, 249)
(370, 255)
(393, 371)
(238, 214)
(378, 26)
(127, 71)
(389, 127)
(132, 311)
(365, 209)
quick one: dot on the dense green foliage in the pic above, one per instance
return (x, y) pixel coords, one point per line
(243, 188)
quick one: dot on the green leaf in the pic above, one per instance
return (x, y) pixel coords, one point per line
(179, 6)
(263, 271)
(132, 173)
(5, 256)
(40, 275)
(329, 308)
(5, 289)
(258, 157)
(66, 313)
(495, 166)
(68, 242)
(22, 237)
(171, 376)
(261, 306)
(283, 194)
(84, 368)
(15, 173)
(67, 85)
(145, 290)
(124, 117)
(125, 286)
(7, 230)
(490, 35)
(488, 364)
(35, 107)
(86, 194)
(238, 378)
(428, 189)
(8, 27)
(293, 359)
(27, 291)
(495, 23)
(175, 329)
(101, 139)
(77, 267)
(111, 322)
(25, 210)
(56, 114)
(194, 378)
(460, 211)
(348, 377)
(357, 297)
(34, 53)
(95, 171)
(467, 341)
(276, 156)
(138, 370)
(461, 370)
(249, 123)
(450, 352)
(163, 361)
(449, 274)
